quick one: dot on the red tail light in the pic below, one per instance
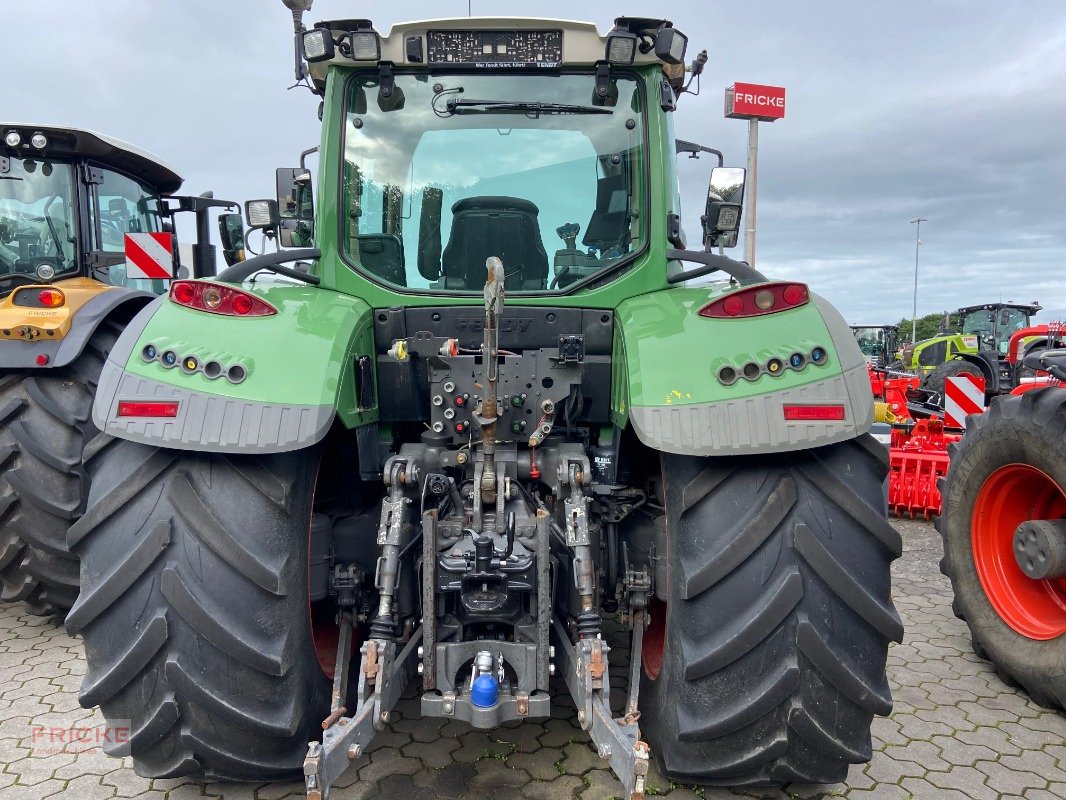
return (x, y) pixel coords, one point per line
(51, 298)
(216, 298)
(824, 413)
(38, 298)
(131, 408)
(767, 298)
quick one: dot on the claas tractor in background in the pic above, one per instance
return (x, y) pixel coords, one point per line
(426, 449)
(1004, 531)
(980, 347)
(68, 197)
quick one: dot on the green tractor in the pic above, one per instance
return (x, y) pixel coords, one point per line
(69, 200)
(979, 349)
(428, 450)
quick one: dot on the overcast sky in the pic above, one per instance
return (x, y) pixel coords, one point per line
(947, 109)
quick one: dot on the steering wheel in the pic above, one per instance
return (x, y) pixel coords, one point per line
(118, 233)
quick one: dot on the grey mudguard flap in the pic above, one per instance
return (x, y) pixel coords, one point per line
(207, 422)
(757, 424)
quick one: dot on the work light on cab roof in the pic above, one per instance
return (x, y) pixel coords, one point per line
(515, 43)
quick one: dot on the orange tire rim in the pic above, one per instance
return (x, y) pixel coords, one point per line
(1011, 495)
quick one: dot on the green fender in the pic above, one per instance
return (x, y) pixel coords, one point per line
(299, 373)
(668, 359)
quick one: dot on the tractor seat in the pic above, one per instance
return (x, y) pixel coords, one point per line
(494, 226)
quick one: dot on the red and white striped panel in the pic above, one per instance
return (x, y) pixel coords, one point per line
(150, 255)
(963, 395)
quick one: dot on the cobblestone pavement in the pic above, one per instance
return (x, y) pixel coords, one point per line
(957, 731)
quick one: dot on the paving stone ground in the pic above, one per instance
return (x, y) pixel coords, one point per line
(956, 732)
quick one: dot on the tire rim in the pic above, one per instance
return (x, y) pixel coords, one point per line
(322, 614)
(1011, 495)
(654, 646)
(326, 637)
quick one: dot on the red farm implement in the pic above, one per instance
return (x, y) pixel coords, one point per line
(918, 458)
(919, 450)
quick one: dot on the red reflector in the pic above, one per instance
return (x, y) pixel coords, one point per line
(42, 360)
(130, 408)
(755, 301)
(814, 413)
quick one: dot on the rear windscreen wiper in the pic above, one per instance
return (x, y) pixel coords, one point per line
(457, 106)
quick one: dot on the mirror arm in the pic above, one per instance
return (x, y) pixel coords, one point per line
(681, 146)
(273, 262)
(305, 154)
(712, 262)
(202, 203)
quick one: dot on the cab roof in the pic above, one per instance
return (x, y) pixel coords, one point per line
(1030, 308)
(107, 150)
(581, 42)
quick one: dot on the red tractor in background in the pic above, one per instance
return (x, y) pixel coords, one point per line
(1004, 530)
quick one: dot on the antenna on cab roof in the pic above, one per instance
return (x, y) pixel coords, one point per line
(298, 9)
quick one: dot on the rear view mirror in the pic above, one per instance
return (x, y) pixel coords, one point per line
(725, 203)
(295, 200)
(296, 206)
(231, 233)
(295, 233)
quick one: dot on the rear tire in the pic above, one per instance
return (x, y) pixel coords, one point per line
(45, 423)
(1026, 431)
(937, 379)
(194, 609)
(778, 616)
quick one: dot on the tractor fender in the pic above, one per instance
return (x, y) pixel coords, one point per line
(119, 300)
(983, 362)
(299, 370)
(669, 386)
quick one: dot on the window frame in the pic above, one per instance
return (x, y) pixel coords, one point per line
(606, 275)
(93, 208)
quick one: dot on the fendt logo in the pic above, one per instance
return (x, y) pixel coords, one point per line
(477, 324)
(754, 101)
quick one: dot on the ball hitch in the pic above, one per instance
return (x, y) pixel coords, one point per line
(1040, 548)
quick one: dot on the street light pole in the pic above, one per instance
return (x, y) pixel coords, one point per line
(917, 221)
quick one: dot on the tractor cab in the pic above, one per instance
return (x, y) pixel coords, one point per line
(990, 326)
(70, 200)
(878, 343)
(69, 197)
(980, 348)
